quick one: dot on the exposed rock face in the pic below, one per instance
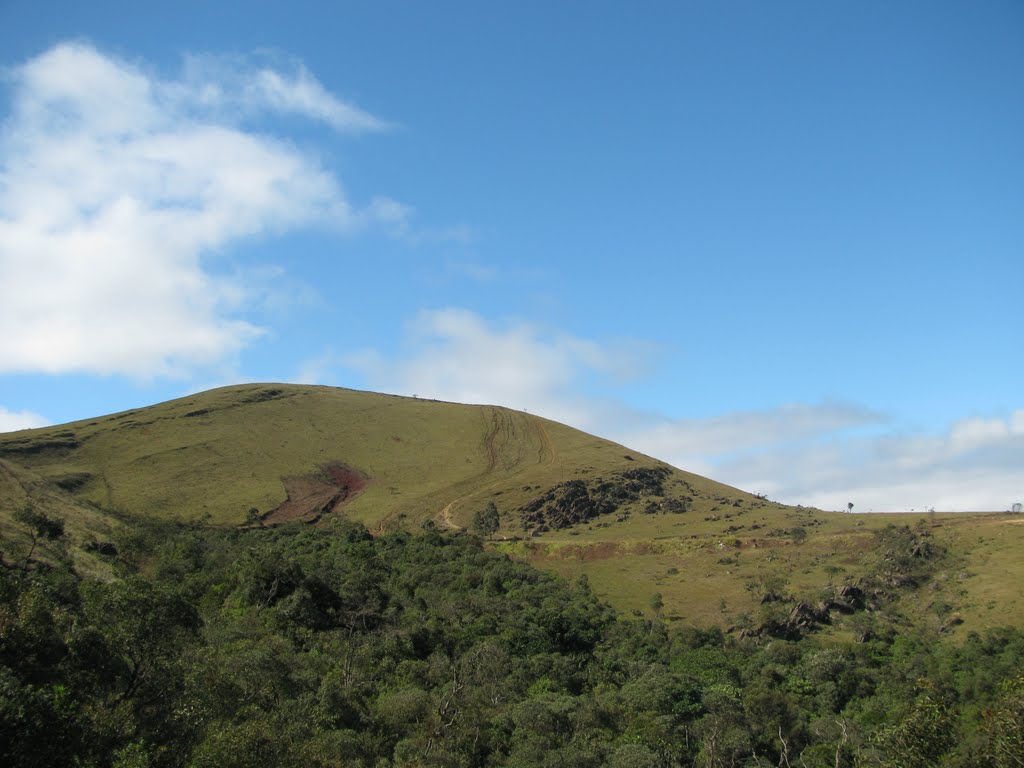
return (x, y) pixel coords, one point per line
(849, 599)
(576, 501)
(803, 619)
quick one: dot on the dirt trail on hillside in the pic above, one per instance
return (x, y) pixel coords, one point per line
(505, 444)
(446, 515)
(501, 442)
(546, 454)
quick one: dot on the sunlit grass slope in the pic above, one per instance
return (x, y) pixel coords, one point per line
(212, 457)
(707, 570)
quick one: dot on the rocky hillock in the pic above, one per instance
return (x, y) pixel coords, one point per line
(577, 501)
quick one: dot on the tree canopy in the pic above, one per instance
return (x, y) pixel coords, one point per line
(325, 646)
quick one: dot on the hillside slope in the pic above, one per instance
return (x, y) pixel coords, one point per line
(294, 452)
(264, 454)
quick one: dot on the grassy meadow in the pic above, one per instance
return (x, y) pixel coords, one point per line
(708, 575)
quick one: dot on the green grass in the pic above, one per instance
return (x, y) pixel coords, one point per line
(211, 457)
(703, 576)
(20, 488)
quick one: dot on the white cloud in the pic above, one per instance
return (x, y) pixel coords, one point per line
(456, 356)
(735, 432)
(974, 433)
(821, 454)
(253, 84)
(12, 421)
(117, 190)
(971, 465)
(302, 94)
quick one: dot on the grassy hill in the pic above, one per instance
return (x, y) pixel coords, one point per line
(214, 456)
(568, 501)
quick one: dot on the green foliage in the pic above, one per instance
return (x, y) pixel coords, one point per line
(487, 520)
(921, 738)
(1003, 726)
(657, 603)
(41, 524)
(306, 646)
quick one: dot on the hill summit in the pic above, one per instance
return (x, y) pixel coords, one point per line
(270, 453)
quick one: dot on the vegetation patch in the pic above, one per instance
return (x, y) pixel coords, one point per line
(259, 395)
(73, 481)
(264, 395)
(903, 561)
(905, 556)
(55, 444)
(324, 646)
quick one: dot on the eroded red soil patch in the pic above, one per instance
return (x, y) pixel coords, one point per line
(312, 496)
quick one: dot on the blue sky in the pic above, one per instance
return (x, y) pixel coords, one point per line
(778, 244)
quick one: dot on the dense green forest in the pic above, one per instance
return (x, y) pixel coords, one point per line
(325, 646)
